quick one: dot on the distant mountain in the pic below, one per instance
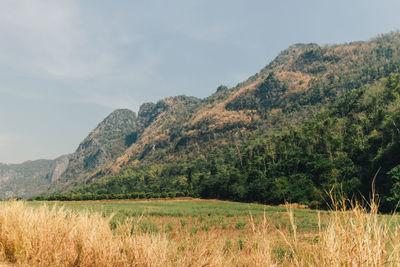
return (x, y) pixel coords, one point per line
(106, 142)
(249, 142)
(30, 178)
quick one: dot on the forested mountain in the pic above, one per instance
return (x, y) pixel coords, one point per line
(315, 118)
(342, 147)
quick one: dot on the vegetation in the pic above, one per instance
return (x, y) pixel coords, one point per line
(210, 213)
(78, 197)
(343, 147)
(59, 236)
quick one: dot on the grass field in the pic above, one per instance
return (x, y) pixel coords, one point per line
(193, 232)
(204, 213)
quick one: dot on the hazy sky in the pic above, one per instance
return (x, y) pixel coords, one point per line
(65, 64)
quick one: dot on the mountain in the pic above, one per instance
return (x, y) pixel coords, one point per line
(105, 143)
(302, 80)
(30, 178)
(314, 118)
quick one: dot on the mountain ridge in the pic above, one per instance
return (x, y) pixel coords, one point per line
(299, 83)
(300, 71)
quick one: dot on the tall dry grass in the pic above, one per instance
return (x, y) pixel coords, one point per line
(57, 237)
(354, 237)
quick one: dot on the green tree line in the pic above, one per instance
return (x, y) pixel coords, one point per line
(91, 196)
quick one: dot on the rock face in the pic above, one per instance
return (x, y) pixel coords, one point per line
(58, 167)
(106, 142)
(30, 178)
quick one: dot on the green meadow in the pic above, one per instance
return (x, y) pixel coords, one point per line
(194, 209)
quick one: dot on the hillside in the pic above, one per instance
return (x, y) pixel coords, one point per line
(290, 132)
(341, 148)
(273, 138)
(106, 142)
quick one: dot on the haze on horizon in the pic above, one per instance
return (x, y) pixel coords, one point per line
(65, 65)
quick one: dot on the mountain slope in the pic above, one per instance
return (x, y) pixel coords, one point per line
(252, 142)
(340, 151)
(299, 82)
(106, 142)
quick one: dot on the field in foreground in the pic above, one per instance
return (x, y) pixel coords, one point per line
(193, 233)
(199, 213)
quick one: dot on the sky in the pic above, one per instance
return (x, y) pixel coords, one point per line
(66, 64)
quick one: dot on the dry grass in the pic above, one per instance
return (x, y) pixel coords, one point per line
(58, 237)
(46, 237)
(296, 81)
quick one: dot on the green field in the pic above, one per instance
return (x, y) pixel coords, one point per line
(203, 211)
(199, 213)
